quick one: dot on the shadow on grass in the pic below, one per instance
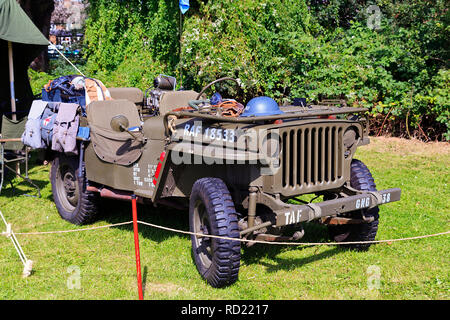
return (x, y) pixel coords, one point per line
(117, 211)
(313, 233)
(14, 186)
(288, 264)
(113, 211)
(18, 187)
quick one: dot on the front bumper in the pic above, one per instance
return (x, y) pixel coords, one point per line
(291, 214)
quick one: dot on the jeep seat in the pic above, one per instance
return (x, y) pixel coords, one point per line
(175, 99)
(111, 146)
(134, 95)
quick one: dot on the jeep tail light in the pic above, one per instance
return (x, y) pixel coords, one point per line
(158, 167)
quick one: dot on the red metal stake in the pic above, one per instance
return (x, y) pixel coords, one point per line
(136, 246)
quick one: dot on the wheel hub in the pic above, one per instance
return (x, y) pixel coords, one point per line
(203, 243)
(68, 188)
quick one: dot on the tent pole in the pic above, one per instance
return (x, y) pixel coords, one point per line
(180, 52)
(11, 81)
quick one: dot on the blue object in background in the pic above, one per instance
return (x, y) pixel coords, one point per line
(261, 106)
(134, 129)
(215, 99)
(83, 133)
(300, 102)
(184, 6)
(55, 96)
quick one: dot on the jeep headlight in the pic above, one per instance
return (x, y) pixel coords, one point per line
(350, 138)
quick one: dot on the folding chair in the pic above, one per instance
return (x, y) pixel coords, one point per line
(12, 150)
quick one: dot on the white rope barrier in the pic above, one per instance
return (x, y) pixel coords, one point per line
(291, 243)
(233, 239)
(54, 47)
(74, 230)
(27, 264)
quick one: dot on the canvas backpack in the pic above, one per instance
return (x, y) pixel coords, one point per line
(65, 129)
(32, 135)
(47, 121)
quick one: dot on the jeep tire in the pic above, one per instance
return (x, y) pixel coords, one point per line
(74, 203)
(212, 212)
(360, 179)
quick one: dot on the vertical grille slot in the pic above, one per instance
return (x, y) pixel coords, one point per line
(321, 143)
(301, 144)
(340, 154)
(293, 139)
(284, 158)
(307, 156)
(333, 141)
(328, 143)
(315, 155)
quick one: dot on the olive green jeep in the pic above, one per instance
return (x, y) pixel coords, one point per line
(234, 169)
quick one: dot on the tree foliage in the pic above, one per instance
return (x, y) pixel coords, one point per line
(390, 56)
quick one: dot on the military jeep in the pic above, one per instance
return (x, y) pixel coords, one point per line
(236, 175)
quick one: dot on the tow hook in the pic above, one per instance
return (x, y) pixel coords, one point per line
(367, 219)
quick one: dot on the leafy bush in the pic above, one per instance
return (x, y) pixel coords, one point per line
(284, 49)
(57, 68)
(38, 80)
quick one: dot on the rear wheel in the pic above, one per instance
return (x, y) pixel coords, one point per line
(360, 179)
(212, 212)
(74, 203)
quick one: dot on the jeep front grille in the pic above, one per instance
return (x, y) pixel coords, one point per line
(311, 158)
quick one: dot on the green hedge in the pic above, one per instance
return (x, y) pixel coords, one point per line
(283, 49)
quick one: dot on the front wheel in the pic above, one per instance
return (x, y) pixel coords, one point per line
(212, 212)
(360, 179)
(74, 203)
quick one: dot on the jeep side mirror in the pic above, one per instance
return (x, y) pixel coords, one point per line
(120, 123)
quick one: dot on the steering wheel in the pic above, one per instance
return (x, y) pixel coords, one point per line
(214, 82)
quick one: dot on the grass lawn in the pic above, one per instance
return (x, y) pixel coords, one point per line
(417, 269)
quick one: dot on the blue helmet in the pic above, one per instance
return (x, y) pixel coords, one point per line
(261, 106)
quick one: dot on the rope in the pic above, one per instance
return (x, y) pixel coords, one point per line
(51, 44)
(291, 243)
(27, 264)
(74, 230)
(229, 108)
(234, 239)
